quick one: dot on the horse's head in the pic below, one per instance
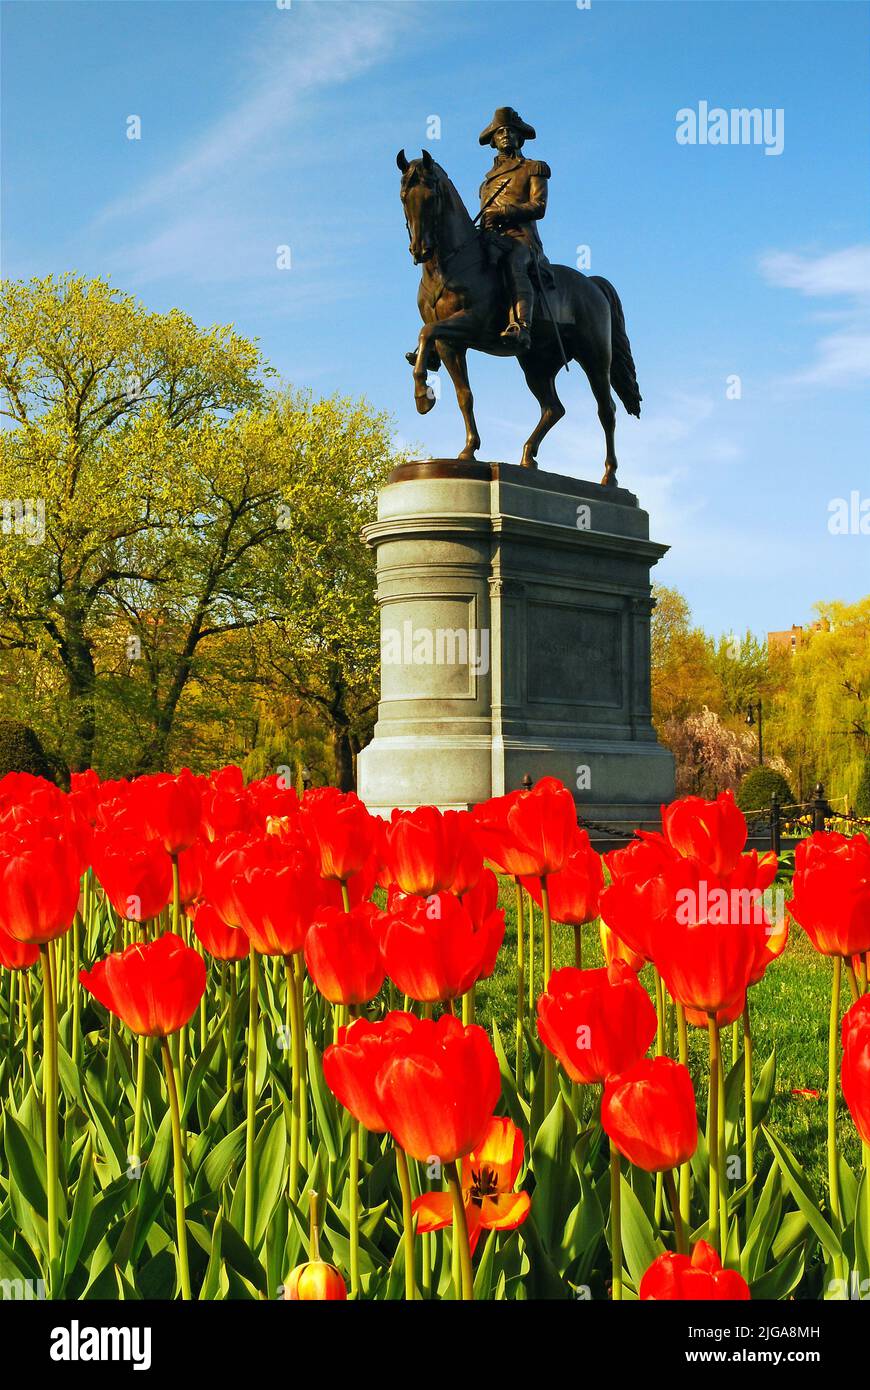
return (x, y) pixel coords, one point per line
(422, 194)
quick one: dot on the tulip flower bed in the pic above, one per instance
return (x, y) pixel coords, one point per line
(256, 1046)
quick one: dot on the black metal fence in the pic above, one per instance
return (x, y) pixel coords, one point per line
(777, 827)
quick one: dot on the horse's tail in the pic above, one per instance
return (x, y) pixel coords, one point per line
(622, 370)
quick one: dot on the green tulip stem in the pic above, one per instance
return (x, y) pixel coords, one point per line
(865, 1150)
(230, 1037)
(685, 1168)
(548, 931)
(521, 983)
(353, 1179)
(49, 1023)
(345, 896)
(749, 1124)
(833, 1039)
(460, 1232)
(714, 1211)
(616, 1223)
(251, 1113)
(176, 896)
(549, 1059)
(296, 1045)
(75, 986)
(178, 1171)
(299, 966)
(673, 1203)
(660, 1014)
(28, 1013)
(407, 1223)
(531, 957)
(139, 1102)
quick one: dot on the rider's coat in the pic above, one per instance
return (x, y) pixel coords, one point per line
(523, 201)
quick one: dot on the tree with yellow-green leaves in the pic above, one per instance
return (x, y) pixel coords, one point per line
(820, 719)
(181, 502)
(816, 703)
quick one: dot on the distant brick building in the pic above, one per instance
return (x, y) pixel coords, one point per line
(796, 636)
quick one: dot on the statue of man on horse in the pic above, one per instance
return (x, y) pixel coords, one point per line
(466, 271)
(513, 199)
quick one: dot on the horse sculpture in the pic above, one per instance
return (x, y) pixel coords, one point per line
(463, 305)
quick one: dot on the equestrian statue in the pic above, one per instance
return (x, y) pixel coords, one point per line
(490, 287)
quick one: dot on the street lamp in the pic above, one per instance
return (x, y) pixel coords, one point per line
(753, 716)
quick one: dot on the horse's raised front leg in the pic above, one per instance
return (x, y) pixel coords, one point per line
(541, 381)
(454, 360)
(454, 330)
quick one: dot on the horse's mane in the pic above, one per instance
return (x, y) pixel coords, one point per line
(451, 189)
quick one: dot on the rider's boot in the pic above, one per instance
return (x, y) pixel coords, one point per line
(518, 331)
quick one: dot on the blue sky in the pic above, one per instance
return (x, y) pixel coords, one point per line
(266, 125)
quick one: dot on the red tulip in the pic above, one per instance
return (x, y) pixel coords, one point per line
(221, 941)
(700, 1277)
(832, 892)
(712, 831)
(431, 948)
(649, 1113)
(190, 871)
(17, 955)
(640, 899)
(135, 873)
(422, 849)
(469, 866)
(481, 904)
(278, 897)
(223, 864)
(226, 807)
(438, 1087)
(497, 843)
(39, 884)
(339, 829)
(171, 808)
(708, 951)
(154, 988)
(614, 948)
(597, 1022)
(544, 822)
(489, 1175)
(343, 953)
(351, 1066)
(574, 890)
(856, 1065)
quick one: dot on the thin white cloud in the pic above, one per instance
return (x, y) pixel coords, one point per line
(301, 51)
(840, 272)
(842, 357)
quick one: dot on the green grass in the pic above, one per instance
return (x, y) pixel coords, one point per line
(789, 1011)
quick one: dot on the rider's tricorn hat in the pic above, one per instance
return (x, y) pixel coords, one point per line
(506, 116)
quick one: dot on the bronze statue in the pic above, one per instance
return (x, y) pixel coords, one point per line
(465, 303)
(513, 197)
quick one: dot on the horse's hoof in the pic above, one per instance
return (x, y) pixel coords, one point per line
(528, 462)
(609, 479)
(424, 400)
(468, 455)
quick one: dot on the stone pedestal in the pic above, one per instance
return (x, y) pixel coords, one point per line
(515, 611)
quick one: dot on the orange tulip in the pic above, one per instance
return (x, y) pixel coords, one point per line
(489, 1175)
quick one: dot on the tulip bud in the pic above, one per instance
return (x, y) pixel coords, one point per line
(315, 1282)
